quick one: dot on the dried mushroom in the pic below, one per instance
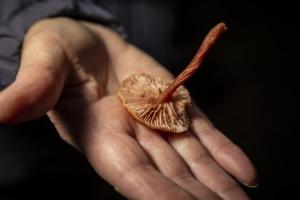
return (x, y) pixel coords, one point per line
(163, 104)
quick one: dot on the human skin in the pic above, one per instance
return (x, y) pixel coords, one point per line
(71, 71)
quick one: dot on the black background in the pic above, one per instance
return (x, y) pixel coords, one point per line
(247, 87)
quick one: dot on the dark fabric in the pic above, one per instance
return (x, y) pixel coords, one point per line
(18, 15)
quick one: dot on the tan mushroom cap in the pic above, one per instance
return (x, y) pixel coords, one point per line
(139, 94)
(161, 104)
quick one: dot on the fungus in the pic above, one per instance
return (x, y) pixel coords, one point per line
(163, 104)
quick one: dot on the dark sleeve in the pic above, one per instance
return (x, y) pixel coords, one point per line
(16, 17)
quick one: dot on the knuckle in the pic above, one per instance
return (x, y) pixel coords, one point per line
(182, 174)
(229, 188)
(202, 159)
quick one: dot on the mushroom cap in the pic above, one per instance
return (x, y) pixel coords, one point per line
(139, 94)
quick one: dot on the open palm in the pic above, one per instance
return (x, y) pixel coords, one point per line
(72, 71)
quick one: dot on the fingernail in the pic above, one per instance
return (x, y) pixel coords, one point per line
(255, 184)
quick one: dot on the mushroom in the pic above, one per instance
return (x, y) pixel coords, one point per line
(163, 104)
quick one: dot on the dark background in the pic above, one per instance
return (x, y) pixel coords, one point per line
(247, 87)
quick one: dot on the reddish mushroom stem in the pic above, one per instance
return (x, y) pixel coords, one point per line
(207, 44)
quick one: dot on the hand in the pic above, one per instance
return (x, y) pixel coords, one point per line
(72, 70)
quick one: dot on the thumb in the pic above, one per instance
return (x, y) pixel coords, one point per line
(39, 82)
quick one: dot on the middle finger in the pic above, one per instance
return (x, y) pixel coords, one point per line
(169, 163)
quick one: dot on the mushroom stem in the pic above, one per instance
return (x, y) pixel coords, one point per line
(207, 44)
